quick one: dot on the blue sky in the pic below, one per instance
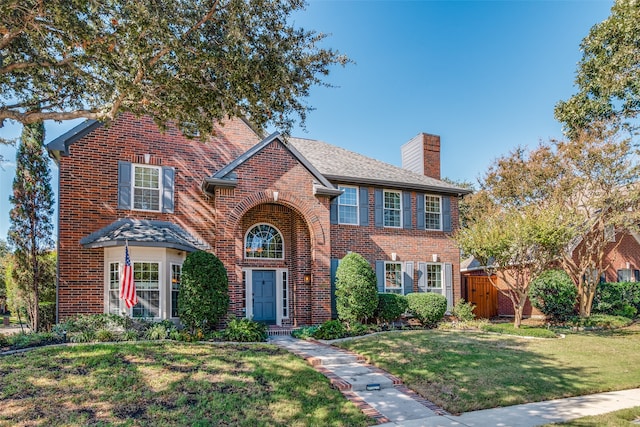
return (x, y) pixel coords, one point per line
(484, 75)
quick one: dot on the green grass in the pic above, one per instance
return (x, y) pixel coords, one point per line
(466, 370)
(622, 418)
(523, 330)
(168, 384)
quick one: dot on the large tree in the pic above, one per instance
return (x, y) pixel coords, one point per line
(608, 75)
(31, 224)
(187, 61)
(515, 245)
(593, 182)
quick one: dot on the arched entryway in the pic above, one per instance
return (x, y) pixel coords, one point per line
(276, 257)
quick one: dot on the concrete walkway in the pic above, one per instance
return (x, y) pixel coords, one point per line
(383, 396)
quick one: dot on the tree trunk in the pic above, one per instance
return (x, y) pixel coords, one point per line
(518, 310)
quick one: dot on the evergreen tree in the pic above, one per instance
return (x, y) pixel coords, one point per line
(31, 225)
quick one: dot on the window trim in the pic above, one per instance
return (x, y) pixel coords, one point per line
(244, 242)
(428, 288)
(159, 290)
(384, 208)
(109, 290)
(427, 213)
(170, 290)
(159, 189)
(402, 270)
(356, 206)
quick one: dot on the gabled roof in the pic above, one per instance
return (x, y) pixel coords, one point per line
(143, 233)
(339, 164)
(60, 146)
(226, 176)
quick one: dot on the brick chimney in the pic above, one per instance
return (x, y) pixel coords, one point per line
(422, 155)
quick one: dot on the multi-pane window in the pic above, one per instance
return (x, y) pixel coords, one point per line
(176, 275)
(392, 209)
(625, 275)
(434, 278)
(285, 295)
(432, 212)
(114, 288)
(146, 188)
(348, 205)
(146, 276)
(264, 241)
(393, 277)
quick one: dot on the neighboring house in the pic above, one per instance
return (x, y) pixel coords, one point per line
(279, 213)
(621, 262)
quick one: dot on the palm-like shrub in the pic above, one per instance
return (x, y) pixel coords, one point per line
(356, 289)
(203, 299)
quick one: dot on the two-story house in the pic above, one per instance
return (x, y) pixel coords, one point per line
(279, 213)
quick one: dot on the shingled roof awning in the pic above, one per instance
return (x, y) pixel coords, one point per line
(144, 233)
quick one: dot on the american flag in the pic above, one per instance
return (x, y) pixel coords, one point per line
(127, 284)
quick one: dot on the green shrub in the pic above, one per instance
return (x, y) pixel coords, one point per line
(357, 329)
(617, 299)
(32, 339)
(600, 321)
(157, 332)
(245, 330)
(463, 311)
(203, 299)
(554, 294)
(390, 307)
(104, 335)
(428, 308)
(305, 332)
(47, 315)
(356, 289)
(331, 330)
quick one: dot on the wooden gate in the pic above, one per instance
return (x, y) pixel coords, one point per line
(483, 295)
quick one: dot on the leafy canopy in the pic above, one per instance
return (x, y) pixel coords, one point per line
(608, 75)
(189, 61)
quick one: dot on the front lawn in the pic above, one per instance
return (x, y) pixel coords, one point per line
(168, 384)
(621, 418)
(465, 371)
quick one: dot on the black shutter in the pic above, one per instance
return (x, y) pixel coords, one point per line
(446, 214)
(378, 208)
(364, 206)
(406, 210)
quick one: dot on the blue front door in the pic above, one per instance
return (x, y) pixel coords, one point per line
(264, 296)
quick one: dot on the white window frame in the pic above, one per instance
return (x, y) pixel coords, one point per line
(170, 291)
(625, 270)
(356, 206)
(247, 274)
(244, 242)
(159, 290)
(394, 290)
(441, 289)
(110, 289)
(385, 208)
(135, 166)
(427, 212)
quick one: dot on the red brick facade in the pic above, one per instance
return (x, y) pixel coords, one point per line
(273, 187)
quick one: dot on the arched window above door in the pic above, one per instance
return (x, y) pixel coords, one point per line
(264, 241)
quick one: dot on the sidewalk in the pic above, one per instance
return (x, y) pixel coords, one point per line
(383, 396)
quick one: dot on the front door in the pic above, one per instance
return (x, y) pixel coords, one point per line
(264, 296)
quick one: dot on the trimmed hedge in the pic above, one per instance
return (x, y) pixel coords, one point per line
(390, 307)
(428, 308)
(356, 289)
(203, 299)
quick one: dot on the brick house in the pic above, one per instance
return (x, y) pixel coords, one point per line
(279, 213)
